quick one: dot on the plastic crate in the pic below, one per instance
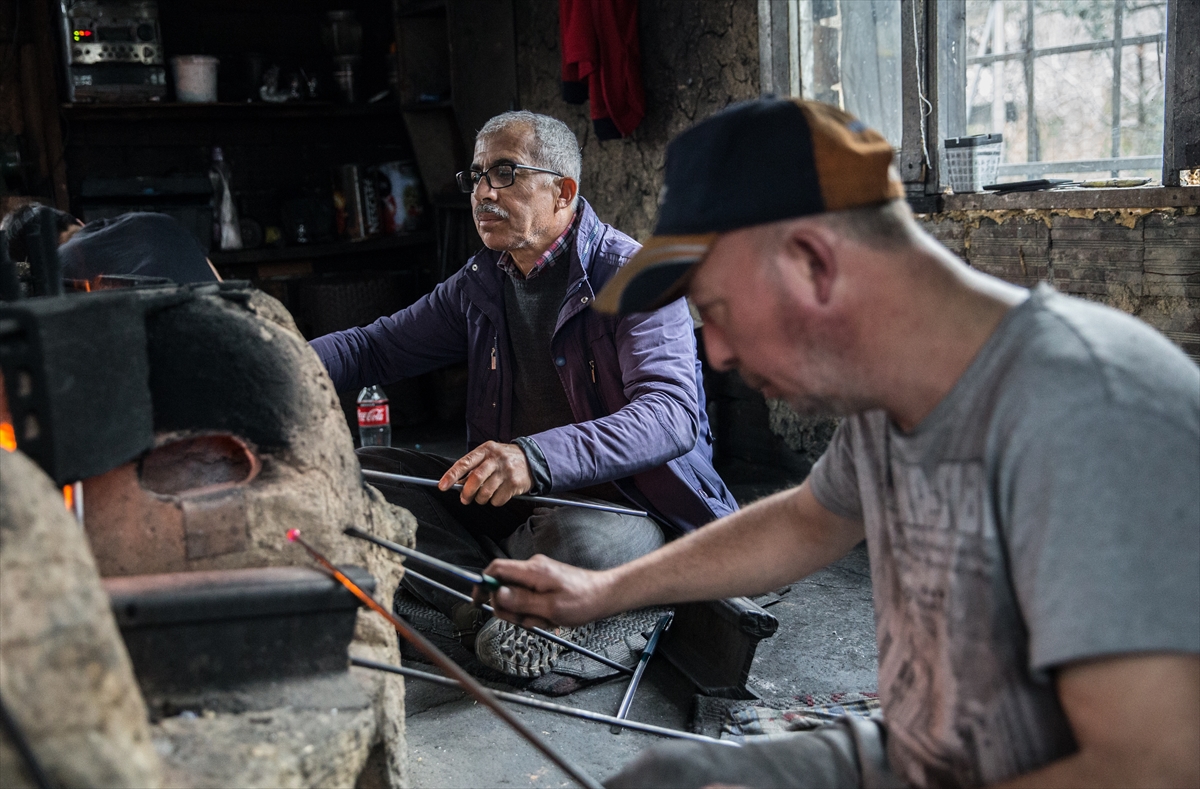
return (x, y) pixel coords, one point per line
(972, 162)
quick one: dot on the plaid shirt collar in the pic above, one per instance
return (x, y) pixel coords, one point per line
(560, 247)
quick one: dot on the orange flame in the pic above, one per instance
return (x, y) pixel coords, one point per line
(8, 437)
(69, 497)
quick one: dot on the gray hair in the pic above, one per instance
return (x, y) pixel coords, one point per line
(553, 145)
(884, 226)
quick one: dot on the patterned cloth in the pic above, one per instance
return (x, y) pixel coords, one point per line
(561, 246)
(723, 717)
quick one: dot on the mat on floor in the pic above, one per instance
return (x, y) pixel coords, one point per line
(726, 717)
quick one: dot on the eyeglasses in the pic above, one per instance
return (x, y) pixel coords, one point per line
(498, 176)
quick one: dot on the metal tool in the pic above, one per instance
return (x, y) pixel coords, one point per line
(469, 683)
(384, 476)
(663, 623)
(479, 579)
(538, 704)
(546, 634)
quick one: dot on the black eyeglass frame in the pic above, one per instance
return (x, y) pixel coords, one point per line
(468, 180)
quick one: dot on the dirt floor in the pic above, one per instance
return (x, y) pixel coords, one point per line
(825, 643)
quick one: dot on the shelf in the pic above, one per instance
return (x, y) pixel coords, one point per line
(1100, 199)
(427, 106)
(313, 251)
(411, 8)
(249, 110)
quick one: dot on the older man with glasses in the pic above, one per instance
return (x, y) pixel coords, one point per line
(559, 397)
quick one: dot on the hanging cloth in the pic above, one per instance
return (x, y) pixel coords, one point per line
(601, 61)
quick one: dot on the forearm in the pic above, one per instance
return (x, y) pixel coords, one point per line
(759, 548)
(644, 434)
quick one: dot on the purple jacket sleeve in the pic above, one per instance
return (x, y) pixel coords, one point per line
(657, 357)
(429, 334)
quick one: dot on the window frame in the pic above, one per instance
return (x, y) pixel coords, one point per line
(922, 110)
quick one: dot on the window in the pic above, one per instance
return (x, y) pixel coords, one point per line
(1080, 89)
(1075, 86)
(850, 57)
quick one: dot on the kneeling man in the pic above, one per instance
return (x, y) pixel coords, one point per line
(559, 397)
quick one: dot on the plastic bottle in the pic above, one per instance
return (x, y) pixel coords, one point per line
(227, 232)
(374, 419)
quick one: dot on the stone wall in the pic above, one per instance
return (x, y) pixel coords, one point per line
(1143, 261)
(697, 57)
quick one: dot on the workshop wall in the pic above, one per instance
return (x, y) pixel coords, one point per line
(697, 57)
(1143, 261)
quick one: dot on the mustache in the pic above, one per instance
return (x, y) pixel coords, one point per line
(490, 208)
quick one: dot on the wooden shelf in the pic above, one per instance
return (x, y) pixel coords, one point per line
(411, 8)
(314, 251)
(249, 110)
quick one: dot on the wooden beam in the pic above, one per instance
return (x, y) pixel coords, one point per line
(1181, 122)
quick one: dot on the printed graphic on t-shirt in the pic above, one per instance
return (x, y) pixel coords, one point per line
(948, 633)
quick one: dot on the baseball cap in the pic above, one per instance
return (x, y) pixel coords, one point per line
(756, 162)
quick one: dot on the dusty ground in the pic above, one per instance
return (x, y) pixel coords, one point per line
(825, 642)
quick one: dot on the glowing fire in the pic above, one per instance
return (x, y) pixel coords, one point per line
(8, 437)
(69, 497)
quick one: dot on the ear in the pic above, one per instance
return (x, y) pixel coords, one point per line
(568, 188)
(812, 251)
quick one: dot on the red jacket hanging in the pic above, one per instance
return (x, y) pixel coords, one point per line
(602, 61)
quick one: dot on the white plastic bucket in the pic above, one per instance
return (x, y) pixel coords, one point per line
(195, 78)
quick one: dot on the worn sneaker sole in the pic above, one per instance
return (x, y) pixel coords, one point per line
(517, 652)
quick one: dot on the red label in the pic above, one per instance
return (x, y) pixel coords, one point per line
(374, 415)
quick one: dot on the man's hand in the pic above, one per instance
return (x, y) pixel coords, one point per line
(541, 592)
(494, 473)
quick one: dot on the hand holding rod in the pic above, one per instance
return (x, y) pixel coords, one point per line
(660, 627)
(546, 634)
(383, 476)
(469, 683)
(479, 579)
(538, 704)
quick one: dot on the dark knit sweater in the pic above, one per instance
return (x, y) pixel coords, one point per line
(531, 310)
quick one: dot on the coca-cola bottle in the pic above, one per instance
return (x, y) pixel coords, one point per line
(374, 421)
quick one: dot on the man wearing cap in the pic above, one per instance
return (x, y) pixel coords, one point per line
(559, 397)
(1023, 466)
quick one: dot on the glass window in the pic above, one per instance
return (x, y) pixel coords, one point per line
(1075, 86)
(849, 53)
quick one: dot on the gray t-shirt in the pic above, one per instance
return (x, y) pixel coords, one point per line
(1046, 511)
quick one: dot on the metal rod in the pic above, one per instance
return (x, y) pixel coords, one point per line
(546, 634)
(384, 476)
(469, 683)
(538, 704)
(479, 579)
(660, 627)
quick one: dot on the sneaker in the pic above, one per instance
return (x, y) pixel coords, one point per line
(517, 652)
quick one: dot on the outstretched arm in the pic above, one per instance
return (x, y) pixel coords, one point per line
(1136, 719)
(762, 547)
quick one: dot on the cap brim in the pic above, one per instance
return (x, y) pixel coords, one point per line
(657, 275)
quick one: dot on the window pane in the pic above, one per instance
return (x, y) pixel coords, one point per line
(1142, 68)
(1073, 102)
(1062, 22)
(850, 57)
(999, 105)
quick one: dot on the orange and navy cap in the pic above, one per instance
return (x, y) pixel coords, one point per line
(756, 162)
